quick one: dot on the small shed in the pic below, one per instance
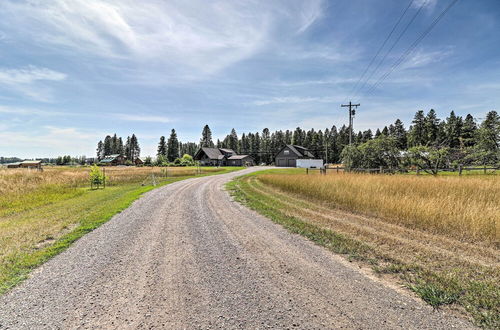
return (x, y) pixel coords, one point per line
(240, 160)
(288, 155)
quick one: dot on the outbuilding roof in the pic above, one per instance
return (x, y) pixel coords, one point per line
(238, 157)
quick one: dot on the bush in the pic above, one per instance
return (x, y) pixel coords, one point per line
(96, 176)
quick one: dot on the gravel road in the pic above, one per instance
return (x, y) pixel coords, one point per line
(185, 256)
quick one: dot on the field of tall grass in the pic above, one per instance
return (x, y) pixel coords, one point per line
(467, 208)
(436, 236)
(42, 213)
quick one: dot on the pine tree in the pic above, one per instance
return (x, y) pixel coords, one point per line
(377, 133)
(100, 150)
(399, 133)
(120, 150)
(172, 146)
(431, 128)
(468, 132)
(128, 152)
(489, 133)
(135, 150)
(232, 141)
(108, 146)
(453, 130)
(298, 137)
(114, 145)
(162, 147)
(266, 146)
(206, 137)
(416, 136)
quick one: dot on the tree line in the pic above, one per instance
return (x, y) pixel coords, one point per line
(113, 145)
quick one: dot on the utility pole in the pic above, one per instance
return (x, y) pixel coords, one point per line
(352, 112)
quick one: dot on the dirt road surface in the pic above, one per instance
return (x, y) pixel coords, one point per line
(185, 256)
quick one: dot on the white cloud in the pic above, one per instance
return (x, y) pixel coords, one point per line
(30, 80)
(29, 75)
(428, 4)
(422, 58)
(144, 118)
(294, 100)
(203, 35)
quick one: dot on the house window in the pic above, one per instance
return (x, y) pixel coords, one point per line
(287, 152)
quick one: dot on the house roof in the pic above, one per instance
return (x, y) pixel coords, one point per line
(212, 153)
(300, 151)
(31, 162)
(238, 157)
(109, 158)
(227, 151)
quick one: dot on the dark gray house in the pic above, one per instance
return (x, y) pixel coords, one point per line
(288, 155)
(221, 157)
(240, 160)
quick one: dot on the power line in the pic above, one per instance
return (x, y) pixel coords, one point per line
(412, 47)
(381, 47)
(393, 45)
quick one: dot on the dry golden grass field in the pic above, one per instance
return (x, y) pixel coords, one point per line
(437, 236)
(42, 213)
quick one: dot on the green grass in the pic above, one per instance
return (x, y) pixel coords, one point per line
(29, 236)
(478, 296)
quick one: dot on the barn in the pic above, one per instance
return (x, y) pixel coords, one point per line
(288, 155)
(32, 164)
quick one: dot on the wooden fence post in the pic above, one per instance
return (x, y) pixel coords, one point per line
(307, 170)
(459, 170)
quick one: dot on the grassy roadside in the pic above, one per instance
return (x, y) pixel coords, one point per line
(32, 235)
(443, 271)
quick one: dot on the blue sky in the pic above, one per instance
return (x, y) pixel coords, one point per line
(72, 71)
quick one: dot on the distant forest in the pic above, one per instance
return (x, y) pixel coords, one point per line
(428, 140)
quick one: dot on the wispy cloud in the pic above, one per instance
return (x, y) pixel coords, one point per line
(422, 58)
(169, 32)
(142, 118)
(294, 100)
(27, 81)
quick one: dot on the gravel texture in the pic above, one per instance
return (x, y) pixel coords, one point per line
(187, 256)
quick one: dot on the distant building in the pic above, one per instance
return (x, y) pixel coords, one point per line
(288, 155)
(221, 157)
(113, 160)
(31, 164)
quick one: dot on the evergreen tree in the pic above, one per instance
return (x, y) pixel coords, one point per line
(399, 133)
(206, 138)
(468, 132)
(232, 142)
(432, 128)
(114, 145)
(120, 150)
(298, 137)
(172, 146)
(100, 150)
(128, 152)
(266, 146)
(135, 150)
(416, 136)
(489, 133)
(288, 137)
(108, 146)
(378, 133)
(385, 131)
(367, 135)
(162, 147)
(453, 130)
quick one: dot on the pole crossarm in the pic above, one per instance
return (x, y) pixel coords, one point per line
(352, 108)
